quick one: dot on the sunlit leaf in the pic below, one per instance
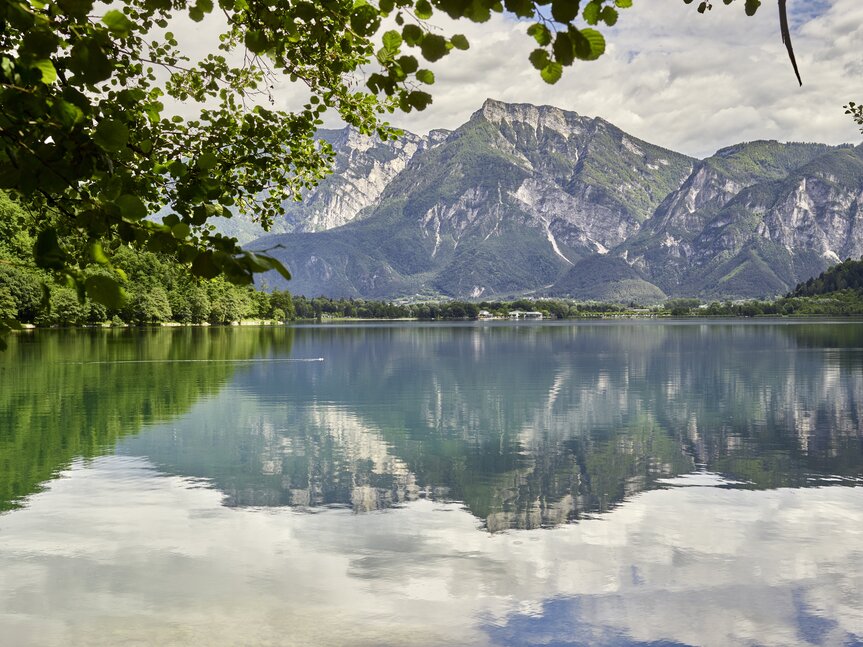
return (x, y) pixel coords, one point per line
(118, 23)
(46, 67)
(551, 73)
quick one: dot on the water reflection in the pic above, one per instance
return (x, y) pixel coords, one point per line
(115, 554)
(526, 426)
(74, 394)
(214, 502)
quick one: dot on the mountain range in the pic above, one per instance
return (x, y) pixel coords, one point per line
(535, 200)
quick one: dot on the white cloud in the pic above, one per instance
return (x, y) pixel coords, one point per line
(674, 77)
(690, 82)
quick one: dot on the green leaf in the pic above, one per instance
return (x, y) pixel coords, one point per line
(392, 40)
(257, 263)
(199, 216)
(111, 135)
(419, 100)
(365, 20)
(89, 61)
(623, 4)
(539, 58)
(551, 73)
(177, 169)
(181, 231)
(595, 45)
(39, 43)
(412, 34)
(76, 7)
(459, 41)
(67, 113)
(609, 16)
(423, 9)
(541, 33)
(521, 8)
(205, 266)
(433, 47)
(276, 264)
(408, 64)
(117, 23)
(46, 67)
(425, 76)
(564, 11)
(132, 207)
(47, 251)
(477, 11)
(105, 290)
(752, 6)
(592, 12)
(563, 49)
(207, 161)
(256, 42)
(98, 254)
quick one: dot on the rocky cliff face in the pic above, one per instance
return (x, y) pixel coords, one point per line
(589, 182)
(727, 234)
(527, 199)
(363, 168)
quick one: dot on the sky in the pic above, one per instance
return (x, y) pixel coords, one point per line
(676, 78)
(690, 82)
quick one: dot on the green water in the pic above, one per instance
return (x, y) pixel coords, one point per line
(502, 484)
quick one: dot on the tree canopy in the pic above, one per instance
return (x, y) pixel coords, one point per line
(91, 142)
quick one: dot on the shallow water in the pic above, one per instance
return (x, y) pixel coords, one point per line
(478, 484)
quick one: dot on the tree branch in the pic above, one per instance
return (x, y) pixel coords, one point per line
(786, 38)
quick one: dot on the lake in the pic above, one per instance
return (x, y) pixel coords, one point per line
(608, 483)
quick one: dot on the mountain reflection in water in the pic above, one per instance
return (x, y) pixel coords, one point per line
(163, 501)
(526, 426)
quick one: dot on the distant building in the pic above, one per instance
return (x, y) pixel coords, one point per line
(525, 314)
(484, 314)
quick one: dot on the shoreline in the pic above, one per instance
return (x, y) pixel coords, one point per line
(252, 323)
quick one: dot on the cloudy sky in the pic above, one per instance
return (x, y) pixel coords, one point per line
(688, 81)
(674, 77)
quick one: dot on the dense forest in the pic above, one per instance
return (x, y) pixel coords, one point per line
(847, 275)
(158, 288)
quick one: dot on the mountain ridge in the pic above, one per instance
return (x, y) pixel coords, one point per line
(529, 200)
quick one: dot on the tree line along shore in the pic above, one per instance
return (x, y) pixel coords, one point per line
(219, 303)
(160, 290)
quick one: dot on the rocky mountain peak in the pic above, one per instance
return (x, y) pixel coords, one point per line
(437, 136)
(537, 117)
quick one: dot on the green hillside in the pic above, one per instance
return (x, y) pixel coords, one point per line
(847, 275)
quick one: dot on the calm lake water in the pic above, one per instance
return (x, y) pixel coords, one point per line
(632, 483)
